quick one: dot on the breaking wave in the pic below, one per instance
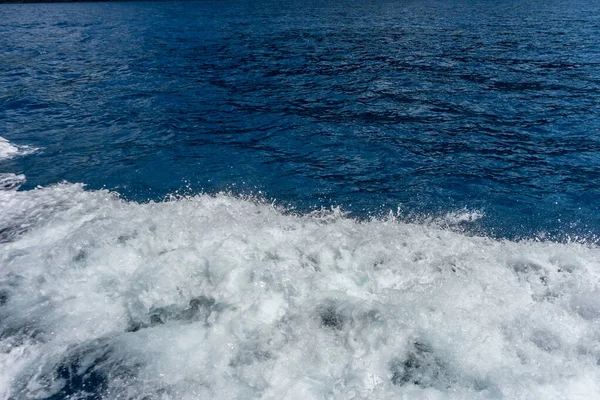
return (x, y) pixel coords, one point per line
(222, 297)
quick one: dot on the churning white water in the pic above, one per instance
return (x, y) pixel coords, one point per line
(9, 150)
(217, 297)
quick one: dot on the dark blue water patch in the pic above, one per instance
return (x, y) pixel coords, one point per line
(84, 371)
(431, 105)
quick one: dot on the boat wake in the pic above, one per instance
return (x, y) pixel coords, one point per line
(224, 297)
(9, 150)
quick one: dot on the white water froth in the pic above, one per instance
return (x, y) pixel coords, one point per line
(225, 298)
(11, 181)
(9, 150)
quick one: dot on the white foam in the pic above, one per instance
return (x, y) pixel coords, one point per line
(9, 150)
(220, 297)
(458, 217)
(456, 220)
(11, 181)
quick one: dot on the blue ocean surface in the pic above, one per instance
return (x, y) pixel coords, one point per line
(300, 199)
(432, 106)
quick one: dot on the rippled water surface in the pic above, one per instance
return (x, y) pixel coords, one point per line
(432, 105)
(300, 200)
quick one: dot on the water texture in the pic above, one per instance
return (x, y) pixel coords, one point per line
(434, 106)
(300, 200)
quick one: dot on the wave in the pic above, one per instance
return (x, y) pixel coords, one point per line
(9, 150)
(223, 297)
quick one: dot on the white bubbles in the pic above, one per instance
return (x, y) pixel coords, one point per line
(9, 150)
(11, 181)
(220, 297)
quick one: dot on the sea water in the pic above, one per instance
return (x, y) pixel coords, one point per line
(300, 200)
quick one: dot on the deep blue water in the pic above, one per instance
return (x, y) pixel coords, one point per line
(477, 115)
(436, 106)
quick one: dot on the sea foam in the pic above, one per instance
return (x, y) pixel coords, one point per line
(11, 181)
(9, 150)
(221, 297)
